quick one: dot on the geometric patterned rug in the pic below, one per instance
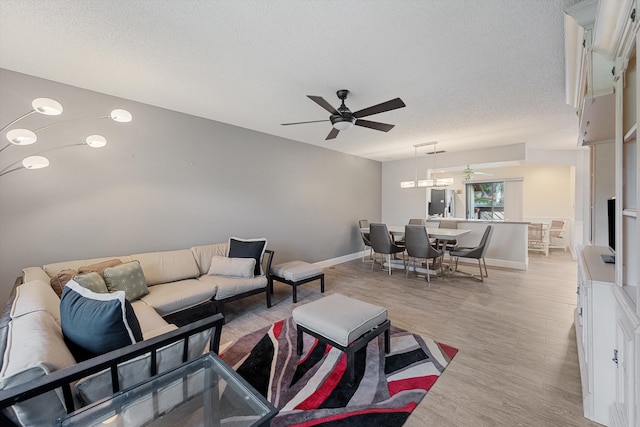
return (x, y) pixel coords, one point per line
(312, 389)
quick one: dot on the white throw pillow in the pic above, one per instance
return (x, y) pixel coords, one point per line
(232, 267)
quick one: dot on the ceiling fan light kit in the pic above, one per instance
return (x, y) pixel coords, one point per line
(343, 119)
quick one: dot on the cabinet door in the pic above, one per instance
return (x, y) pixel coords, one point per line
(626, 405)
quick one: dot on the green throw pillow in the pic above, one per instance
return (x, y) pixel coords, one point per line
(92, 281)
(128, 278)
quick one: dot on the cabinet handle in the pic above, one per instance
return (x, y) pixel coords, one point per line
(615, 356)
(580, 312)
(578, 291)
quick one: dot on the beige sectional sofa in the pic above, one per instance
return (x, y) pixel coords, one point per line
(177, 280)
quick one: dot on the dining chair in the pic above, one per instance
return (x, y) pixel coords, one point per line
(382, 244)
(418, 221)
(447, 244)
(366, 239)
(537, 238)
(478, 252)
(418, 246)
(558, 231)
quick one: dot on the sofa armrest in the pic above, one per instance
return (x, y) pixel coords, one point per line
(34, 273)
(65, 377)
(266, 263)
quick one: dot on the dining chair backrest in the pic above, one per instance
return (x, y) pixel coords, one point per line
(448, 224)
(418, 221)
(557, 227)
(417, 242)
(535, 232)
(486, 239)
(380, 238)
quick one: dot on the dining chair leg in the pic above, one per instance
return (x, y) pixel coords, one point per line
(486, 273)
(481, 273)
(388, 263)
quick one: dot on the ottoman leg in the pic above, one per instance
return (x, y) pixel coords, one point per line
(322, 284)
(299, 343)
(387, 341)
(295, 294)
(351, 365)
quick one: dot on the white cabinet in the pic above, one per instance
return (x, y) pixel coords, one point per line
(608, 329)
(595, 322)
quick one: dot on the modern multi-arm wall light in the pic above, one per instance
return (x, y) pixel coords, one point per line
(51, 107)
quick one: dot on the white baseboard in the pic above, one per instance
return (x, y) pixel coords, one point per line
(341, 259)
(490, 262)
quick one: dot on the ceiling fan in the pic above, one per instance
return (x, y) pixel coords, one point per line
(343, 119)
(469, 173)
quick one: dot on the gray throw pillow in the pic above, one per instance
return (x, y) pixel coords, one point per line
(128, 278)
(92, 281)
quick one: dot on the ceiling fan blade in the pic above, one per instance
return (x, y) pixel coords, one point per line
(380, 108)
(334, 132)
(323, 103)
(374, 125)
(302, 123)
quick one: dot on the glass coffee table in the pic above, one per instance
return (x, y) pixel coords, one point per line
(202, 392)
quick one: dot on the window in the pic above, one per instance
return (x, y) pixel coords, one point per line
(485, 200)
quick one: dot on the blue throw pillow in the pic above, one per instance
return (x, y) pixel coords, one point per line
(248, 248)
(96, 323)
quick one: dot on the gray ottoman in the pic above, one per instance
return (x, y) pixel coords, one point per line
(344, 323)
(295, 273)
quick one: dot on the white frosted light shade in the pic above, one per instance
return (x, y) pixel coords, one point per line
(122, 116)
(35, 162)
(96, 141)
(408, 184)
(47, 106)
(345, 125)
(21, 137)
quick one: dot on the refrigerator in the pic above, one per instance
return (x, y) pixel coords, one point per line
(440, 202)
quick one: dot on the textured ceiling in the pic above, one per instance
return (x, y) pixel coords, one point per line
(472, 73)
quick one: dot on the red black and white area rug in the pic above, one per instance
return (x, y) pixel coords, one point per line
(312, 389)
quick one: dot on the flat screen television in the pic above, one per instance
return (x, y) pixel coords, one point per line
(611, 229)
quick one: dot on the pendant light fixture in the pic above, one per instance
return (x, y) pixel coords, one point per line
(432, 180)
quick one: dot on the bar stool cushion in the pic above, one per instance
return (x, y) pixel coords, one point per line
(339, 318)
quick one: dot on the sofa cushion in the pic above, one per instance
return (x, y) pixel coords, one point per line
(58, 281)
(99, 266)
(203, 255)
(169, 266)
(232, 267)
(248, 248)
(148, 318)
(56, 267)
(127, 277)
(92, 281)
(35, 348)
(134, 371)
(168, 298)
(96, 323)
(35, 296)
(230, 286)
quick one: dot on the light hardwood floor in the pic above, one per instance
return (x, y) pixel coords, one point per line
(517, 363)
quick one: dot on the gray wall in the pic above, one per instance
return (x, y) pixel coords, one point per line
(166, 181)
